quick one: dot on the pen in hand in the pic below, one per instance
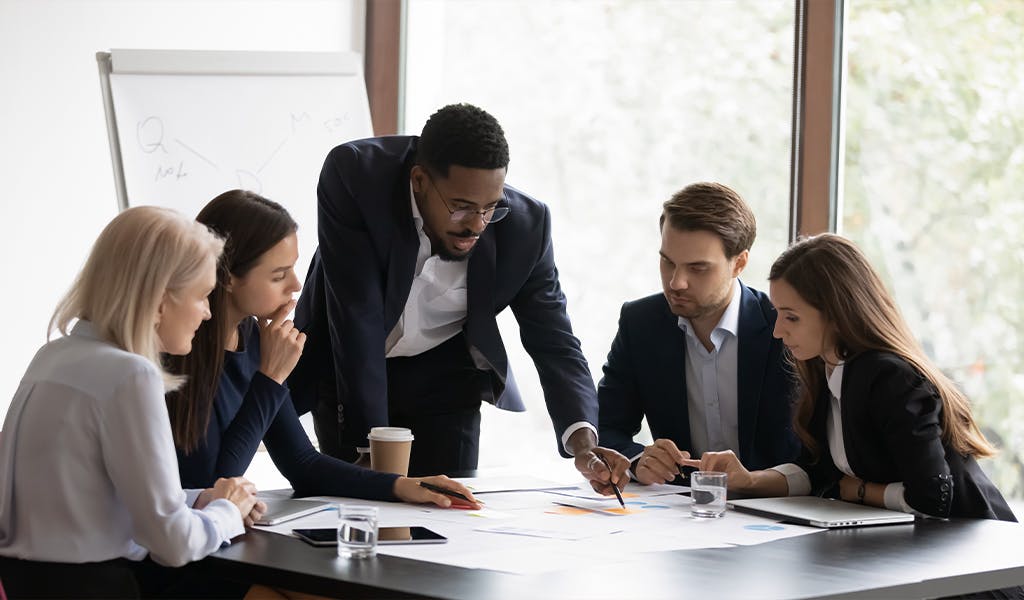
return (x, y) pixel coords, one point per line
(615, 488)
(447, 492)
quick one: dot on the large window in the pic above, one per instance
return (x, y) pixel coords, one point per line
(934, 173)
(609, 107)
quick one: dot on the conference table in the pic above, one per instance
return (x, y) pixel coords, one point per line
(929, 558)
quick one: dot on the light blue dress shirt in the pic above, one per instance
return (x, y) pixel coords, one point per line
(712, 382)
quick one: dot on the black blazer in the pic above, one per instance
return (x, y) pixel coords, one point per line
(360, 278)
(646, 376)
(892, 432)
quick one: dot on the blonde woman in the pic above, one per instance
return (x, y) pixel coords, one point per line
(88, 477)
(880, 424)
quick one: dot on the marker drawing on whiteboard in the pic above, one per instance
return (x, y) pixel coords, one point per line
(149, 133)
(303, 116)
(175, 172)
(272, 155)
(247, 180)
(332, 125)
(193, 151)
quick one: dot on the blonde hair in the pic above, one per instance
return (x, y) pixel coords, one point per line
(831, 274)
(143, 254)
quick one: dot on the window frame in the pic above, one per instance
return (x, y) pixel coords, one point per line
(816, 154)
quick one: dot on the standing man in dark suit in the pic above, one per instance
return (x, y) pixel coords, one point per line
(699, 360)
(421, 245)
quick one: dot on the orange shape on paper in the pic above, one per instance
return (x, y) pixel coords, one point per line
(622, 511)
(567, 510)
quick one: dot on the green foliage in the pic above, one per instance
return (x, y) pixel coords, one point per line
(934, 174)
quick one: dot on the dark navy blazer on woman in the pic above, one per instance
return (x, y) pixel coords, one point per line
(249, 407)
(645, 375)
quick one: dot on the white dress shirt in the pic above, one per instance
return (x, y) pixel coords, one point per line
(712, 383)
(88, 470)
(797, 479)
(436, 308)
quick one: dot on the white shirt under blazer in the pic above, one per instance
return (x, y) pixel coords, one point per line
(87, 465)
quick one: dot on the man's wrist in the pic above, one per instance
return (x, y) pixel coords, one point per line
(581, 441)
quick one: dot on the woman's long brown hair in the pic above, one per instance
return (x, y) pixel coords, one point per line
(831, 274)
(250, 225)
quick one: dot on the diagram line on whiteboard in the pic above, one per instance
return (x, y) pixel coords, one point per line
(192, 150)
(272, 155)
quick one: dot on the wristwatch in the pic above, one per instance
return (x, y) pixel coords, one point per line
(860, 492)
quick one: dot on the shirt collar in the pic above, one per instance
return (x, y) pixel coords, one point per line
(835, 381)
(85, 329)
(727, 324)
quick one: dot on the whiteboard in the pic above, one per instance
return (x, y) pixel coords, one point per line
(185, 126)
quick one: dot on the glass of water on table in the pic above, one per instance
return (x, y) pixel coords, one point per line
(357, 531)
(707, 488)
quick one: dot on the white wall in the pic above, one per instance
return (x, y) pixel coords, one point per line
(56, 184)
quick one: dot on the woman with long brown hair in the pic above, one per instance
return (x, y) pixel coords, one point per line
(880, 424)
(242, 357)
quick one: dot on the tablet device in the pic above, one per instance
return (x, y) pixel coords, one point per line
(280, 510)
(409, 535)
(820, 512)
(385, 536)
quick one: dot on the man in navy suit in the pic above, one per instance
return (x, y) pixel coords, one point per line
(421, 245)
(699, 360)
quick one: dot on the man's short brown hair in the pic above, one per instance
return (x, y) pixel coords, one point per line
(716, 208)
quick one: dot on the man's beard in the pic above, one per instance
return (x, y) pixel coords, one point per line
(448, 256)
(698, 310)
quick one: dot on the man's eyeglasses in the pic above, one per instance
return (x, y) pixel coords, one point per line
(492, 214)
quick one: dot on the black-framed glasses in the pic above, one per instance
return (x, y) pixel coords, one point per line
(492, 214)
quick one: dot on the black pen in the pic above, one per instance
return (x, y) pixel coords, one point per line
(447, 492)
(615, 488)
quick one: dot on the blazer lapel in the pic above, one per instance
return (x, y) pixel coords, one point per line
(671, 370)
(481, 325)
(752, 355)
(402, 256)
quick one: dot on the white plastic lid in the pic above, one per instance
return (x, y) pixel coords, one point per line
(390, 434)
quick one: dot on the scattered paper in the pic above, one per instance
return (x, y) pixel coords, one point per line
(554, 528)
(487, 485)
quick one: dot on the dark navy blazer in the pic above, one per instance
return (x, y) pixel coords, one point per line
(360, 278)
(892, 432)
(250, 407)
(646, 376)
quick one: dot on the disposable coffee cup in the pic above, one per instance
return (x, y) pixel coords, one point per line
(389, 449)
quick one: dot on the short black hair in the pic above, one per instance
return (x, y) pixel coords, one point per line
(464, 135)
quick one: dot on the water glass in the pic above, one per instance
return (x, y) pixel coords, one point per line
(707, 488)
(357, 531)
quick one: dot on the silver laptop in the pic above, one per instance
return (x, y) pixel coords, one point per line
(821, 512)
(280, 510)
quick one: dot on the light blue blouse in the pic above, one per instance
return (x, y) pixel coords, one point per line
(87, 463)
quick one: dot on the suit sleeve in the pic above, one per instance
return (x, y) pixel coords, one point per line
(354, 302)
(312, 473)
(546, 333)
(907, 409)
(240, 441)
(620, 412)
